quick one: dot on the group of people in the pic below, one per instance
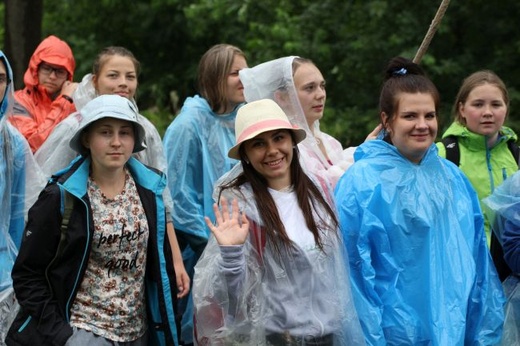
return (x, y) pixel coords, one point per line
(247, 224)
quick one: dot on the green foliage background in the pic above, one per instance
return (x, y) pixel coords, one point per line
(349, 40)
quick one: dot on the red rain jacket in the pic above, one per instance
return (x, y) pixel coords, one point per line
(35, 114)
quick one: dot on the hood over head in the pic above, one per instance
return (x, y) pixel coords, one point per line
(7, 98)
(54, 51)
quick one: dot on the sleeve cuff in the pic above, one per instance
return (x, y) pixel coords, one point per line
(68, 98)
(232, 255)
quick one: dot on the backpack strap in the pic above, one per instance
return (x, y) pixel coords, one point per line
(67, 204)
(515, 150)
(451, 143)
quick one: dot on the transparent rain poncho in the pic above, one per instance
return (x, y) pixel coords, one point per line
(420, 268)
(20, 184)
(274, 80)
(301, 292)
(503, 210)
(55, 153)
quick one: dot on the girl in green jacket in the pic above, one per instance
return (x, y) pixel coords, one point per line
(480, 145)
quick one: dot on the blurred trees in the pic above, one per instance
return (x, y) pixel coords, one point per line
(23, 28)
(349, 40)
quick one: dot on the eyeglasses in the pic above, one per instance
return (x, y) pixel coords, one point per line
(59, 72)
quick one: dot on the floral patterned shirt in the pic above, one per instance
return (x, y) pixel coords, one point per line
(110, 301)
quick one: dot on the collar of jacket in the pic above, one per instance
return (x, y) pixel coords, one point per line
(74, 177)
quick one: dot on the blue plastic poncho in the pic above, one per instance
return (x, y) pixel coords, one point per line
(420, 268)
(19, 175)
(503, 211)
(196, 145)
(241, 296)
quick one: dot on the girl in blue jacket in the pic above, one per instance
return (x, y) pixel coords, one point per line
(95, 265)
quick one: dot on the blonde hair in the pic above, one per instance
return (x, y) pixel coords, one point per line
(474, 80)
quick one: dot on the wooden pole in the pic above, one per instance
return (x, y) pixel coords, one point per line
(431, 31)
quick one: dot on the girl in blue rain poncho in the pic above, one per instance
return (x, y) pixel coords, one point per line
(273, 272)
(17, 169)
(196, 145)
(420, 268)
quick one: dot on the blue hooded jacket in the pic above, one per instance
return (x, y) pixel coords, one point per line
(421, 271)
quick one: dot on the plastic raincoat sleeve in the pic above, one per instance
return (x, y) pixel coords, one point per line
(485, 314)
(55, 153)
(352, 215)
(502, 209)
(185, 179)
(37, 132)
(12, 189)
(399, 244)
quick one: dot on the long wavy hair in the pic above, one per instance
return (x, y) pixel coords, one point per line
(310, 199)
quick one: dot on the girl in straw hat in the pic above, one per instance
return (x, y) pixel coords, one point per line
(273, 273)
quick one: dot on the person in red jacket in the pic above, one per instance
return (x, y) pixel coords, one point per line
(46, 98)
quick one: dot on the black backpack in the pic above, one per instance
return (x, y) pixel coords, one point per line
(497, 253)
(451, 143)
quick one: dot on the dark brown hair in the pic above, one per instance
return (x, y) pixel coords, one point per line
(404, 76)
(107, 52)
(308, 195)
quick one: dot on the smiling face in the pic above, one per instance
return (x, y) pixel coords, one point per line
(414, 126)
(118, 76)
(271, 153)
(484, 111)
(111, 143)
(310, 86)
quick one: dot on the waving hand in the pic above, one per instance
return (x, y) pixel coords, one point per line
(230, 228)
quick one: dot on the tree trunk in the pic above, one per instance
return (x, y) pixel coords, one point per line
(23, 31)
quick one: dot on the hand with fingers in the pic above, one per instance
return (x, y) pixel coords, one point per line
(230, 228)
(374, 133)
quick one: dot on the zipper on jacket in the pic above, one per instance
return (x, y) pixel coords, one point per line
(22, 327)
(85, 255)
(488, 163)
